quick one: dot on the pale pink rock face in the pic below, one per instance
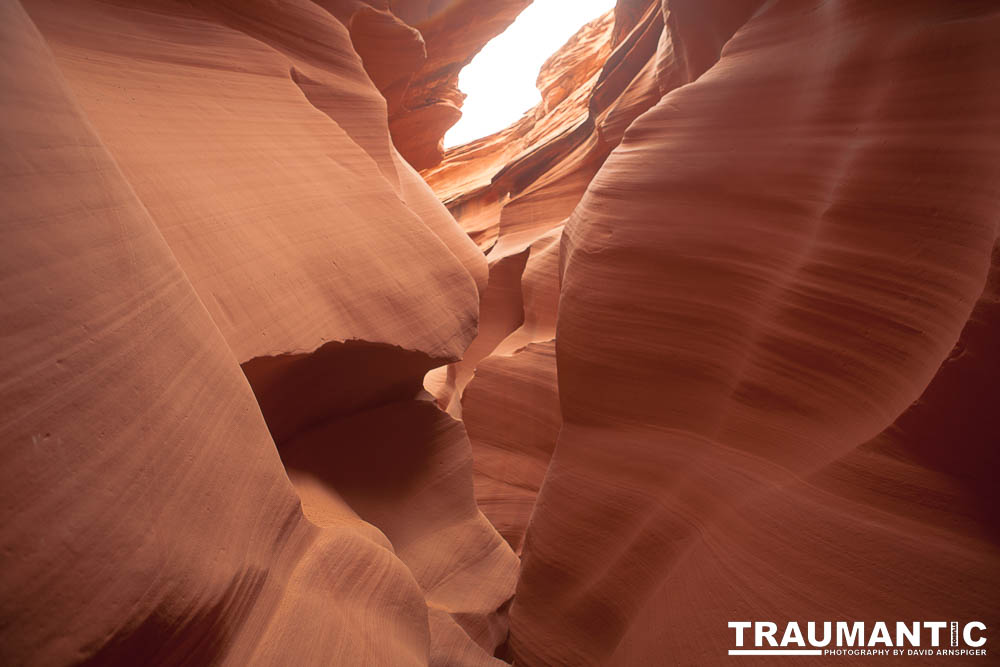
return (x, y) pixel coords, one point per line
(707, 336)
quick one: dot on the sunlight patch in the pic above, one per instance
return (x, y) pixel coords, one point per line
(500, 81)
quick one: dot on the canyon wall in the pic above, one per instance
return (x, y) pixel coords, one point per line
(202, 188)
(767, 332)
(708, 335)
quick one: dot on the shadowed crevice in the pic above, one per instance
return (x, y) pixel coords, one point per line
(299, 391)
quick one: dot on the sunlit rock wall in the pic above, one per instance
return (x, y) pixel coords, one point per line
(708, 335)
(775, 296)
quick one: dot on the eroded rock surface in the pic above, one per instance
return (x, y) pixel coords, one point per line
(768, 286)
(710, 334)
(247, 141)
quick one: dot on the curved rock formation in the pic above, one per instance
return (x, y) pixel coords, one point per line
(332, 274)
(413, 50)
(703, 224)
(765, 274)
(512, 192)
(146, 517)
(713, 338)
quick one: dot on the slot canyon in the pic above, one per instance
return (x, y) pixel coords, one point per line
(711, 334)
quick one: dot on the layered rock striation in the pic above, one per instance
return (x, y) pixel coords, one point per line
(708, 335)
(777, 223)
(248, 145)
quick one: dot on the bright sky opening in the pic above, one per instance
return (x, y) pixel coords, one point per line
(500, 80)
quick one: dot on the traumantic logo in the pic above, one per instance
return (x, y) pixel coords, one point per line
(855, 638)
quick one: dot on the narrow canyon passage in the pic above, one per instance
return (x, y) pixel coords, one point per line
(709, 335)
